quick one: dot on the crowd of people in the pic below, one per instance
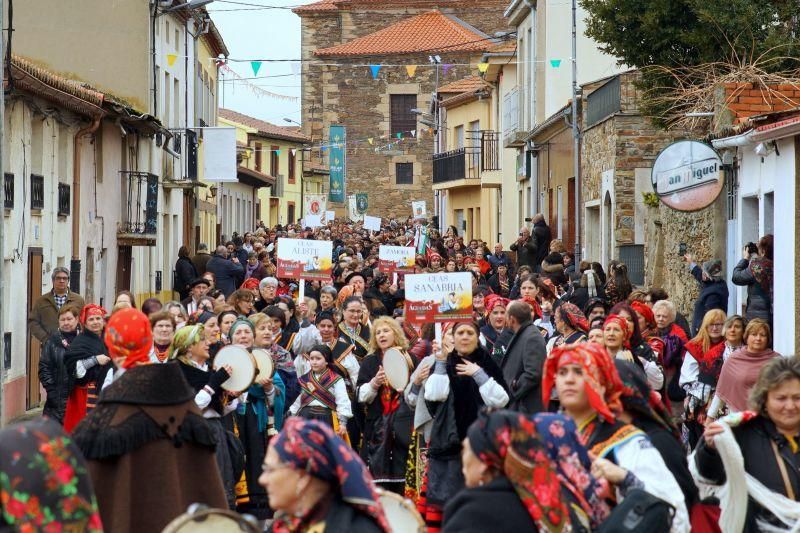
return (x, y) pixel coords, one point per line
(571, 401)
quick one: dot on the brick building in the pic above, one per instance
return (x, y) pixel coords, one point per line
(343, 42)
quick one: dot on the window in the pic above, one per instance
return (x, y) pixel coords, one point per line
(8, 186)
(274, 161)
(290, 213)
(458, 133)
(404, 173)
(37, 191)
(63, 199)
(258, 156)
(402, 119)
(291, 167)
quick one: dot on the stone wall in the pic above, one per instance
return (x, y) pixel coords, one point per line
(348, 95)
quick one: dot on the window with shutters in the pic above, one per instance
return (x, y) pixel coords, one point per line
(404, 173)
(402, 119)
(274, 162)
(258, 148)
(291, 167)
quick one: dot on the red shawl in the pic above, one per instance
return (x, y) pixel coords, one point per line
(739, 374)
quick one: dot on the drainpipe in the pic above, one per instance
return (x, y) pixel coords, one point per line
(75, 264)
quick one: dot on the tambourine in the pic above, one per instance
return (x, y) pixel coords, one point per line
(200, 519)
(397, 365)
(401, 513)
(263, 362)
(243, 366)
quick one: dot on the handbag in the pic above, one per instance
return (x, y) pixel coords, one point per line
(639, 511)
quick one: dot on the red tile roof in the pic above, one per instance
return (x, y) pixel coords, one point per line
(264, 128)
(468, 84)
(322, 5)
(428, 32)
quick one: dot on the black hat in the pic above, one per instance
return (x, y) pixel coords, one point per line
(351, 275)
(200, 281)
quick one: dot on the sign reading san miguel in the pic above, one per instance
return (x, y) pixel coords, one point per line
(438, 297)
(399, 259)
(304, 259)
(687, 176)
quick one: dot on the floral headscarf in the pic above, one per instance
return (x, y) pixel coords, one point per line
(623, 325)
(128, 335)
(44, 481)
(90, 310)
(311, 446)
(185, 338)
(639, 399)
(600, 377)
(542, 457)
(573, 316)
(493, 300)
(250, 283)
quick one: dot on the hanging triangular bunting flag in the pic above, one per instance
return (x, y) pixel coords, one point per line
(295, 68)
(375, 69)
(413, 133)
(555, 63)
(256, 67)
(399, 135)
(171, 59)
(323, 148)
(446, 68)
(370, 140)
(277, 152)
(411, 69)
(483, 67)
(293, 151)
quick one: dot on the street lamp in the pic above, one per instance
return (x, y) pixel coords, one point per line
(292, 121)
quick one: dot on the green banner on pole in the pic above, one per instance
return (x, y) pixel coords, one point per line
(336, 163)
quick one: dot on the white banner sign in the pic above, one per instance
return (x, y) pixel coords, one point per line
(396, 259)
(330, 216)
(439, 297)
(304, 259)
(313, 221)
(219, 154)
(372, 223)
(315, 204)
(419, 209)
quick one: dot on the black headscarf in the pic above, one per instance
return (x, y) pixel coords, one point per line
(85, 345)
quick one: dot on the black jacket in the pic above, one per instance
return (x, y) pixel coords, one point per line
(185, 273)
(494, 506)
(754, 439)
(541, 234)
(526, 253)
(53, 375)
(713, 295)
(228, 274)
(522, 369)
(342, 516)
(758, 304)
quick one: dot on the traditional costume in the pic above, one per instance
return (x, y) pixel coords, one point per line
(358, 338)
(150, 451)
(323, 397)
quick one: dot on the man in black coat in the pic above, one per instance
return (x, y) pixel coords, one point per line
(228, 273)
(201, 258)
(713, 290)
(525, 246)
(542, 237)
(524, 360)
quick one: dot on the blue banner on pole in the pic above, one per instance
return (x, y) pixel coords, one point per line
(337, 164)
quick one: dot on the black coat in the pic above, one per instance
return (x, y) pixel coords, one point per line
(200, 260)
(185, 273)
(541, 234)
(526, 253)
(342, 516)
(494, 506)
(522, 369)
(758, 304)
(228, 274)
(713, 295)
(53, 375)
(754, 439)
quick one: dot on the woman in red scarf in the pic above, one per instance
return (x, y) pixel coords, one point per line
(740, 371)
(87, 363)
(698, 393)
(589, 389)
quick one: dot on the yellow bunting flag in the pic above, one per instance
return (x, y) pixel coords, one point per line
(411, 69)
(370, 140)
(483, 67)
(171, 59)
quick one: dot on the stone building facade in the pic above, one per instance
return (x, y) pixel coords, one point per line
(341, 39)
(619, 147)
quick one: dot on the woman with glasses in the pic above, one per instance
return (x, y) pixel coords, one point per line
(698, 391)
(351, 329)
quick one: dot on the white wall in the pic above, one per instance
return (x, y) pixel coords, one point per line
(759, 177)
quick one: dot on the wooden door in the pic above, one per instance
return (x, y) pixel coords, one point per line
(188, 220)
(124, 258)
(34, 396)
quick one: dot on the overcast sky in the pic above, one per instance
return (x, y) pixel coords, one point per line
(252, 33)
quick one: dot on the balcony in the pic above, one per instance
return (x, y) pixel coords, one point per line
(140, 209)
(459, 167)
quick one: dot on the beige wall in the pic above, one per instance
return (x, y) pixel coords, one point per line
(103, 42)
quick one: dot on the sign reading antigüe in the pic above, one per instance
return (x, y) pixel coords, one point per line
(688, 176)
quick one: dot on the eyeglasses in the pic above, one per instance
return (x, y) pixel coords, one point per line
(716, 325)
(61, 278)
(270, 469)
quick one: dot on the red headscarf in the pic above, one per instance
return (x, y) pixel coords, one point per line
(643, 310)
(574, 316)
(128, 335)
(250, 283)
(493, 300)
(600, 377)
(623, 325)
(434, 255)
(90, 310)
(535, 307)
